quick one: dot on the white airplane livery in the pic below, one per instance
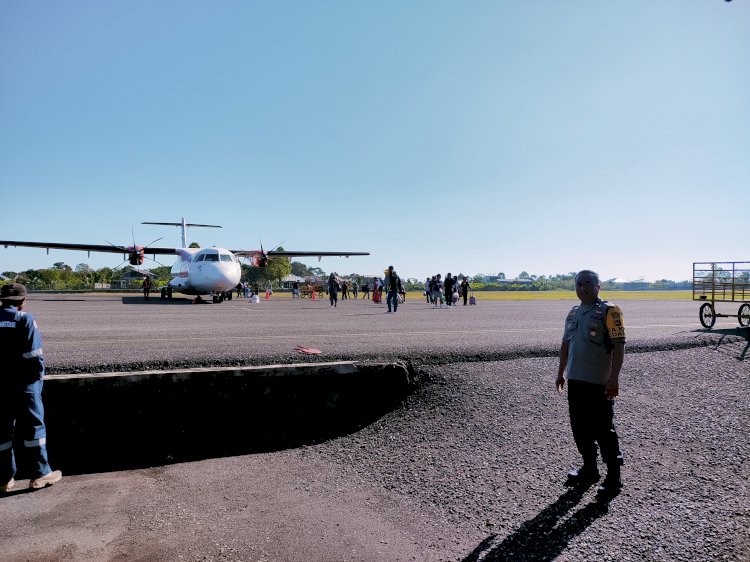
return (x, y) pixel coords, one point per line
(204, 271)
(199, 271)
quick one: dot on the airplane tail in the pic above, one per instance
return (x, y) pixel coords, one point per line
(184, 226)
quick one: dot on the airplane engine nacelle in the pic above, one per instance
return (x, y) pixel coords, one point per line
(136, 256)
(260, 261)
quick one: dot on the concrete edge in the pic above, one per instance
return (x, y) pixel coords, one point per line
(275, 369)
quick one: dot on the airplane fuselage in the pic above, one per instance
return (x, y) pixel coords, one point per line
(205, 271)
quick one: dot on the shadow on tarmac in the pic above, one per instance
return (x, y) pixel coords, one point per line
(541, 539)
(99, 426)
(157, 301)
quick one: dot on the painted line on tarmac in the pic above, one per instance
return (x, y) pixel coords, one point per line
(660, 326)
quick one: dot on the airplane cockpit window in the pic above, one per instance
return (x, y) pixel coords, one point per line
(199, 257)
(212, 257)
(226, 257)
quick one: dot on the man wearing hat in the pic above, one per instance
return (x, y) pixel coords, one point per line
(21, 409)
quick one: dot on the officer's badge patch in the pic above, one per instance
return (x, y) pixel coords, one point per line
(615, 323)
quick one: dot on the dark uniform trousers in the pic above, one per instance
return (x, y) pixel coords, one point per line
(592, 421)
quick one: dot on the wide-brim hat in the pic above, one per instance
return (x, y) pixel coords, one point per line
(13, 292)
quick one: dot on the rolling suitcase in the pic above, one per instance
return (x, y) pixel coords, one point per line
(472, 299)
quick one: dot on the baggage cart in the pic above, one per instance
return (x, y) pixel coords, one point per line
(722, 281)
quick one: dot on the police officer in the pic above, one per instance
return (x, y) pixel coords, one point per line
(592, 352)
(21, 409)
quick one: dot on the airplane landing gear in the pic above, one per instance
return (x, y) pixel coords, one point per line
(219, 297)
(166, 293)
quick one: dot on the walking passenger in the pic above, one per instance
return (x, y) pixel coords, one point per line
(344, 290)
(465, 289)
(146, 287)
(437, 290)
(448, 288)
(333, 290)
(393, 282)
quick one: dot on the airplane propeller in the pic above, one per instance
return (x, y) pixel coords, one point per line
(136, 254)
(261, 259)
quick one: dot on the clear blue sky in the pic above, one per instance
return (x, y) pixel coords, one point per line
(473, 137)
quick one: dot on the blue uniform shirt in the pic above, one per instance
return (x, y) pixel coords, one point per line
(21, 353)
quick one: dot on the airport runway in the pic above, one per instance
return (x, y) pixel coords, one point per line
(109, 332)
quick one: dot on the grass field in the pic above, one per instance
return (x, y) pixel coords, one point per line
(570, 295)
(613, 296)
(481, 295)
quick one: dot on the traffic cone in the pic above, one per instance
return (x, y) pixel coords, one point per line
(267, 295)
(313, 294)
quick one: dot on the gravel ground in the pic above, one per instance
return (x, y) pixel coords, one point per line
(470, 468)
(485, 446)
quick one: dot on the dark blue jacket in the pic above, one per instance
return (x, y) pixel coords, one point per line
(21, 354)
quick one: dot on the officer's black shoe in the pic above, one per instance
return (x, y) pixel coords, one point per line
(584, 476)
(610, 486)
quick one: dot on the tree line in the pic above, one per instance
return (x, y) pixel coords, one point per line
(566, 282)
(81, 277)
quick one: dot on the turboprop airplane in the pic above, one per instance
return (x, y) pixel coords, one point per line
(199, 271)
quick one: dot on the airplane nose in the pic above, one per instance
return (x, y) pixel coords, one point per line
(229, 276)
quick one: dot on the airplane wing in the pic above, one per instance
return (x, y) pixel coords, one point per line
(293, 254)
(111, 248)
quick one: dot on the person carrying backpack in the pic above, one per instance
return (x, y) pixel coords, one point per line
(393, 284)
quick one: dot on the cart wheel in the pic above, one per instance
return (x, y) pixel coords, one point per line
(743, 315)
(706, 315)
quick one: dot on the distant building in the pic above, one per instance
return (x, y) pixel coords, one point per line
(502, 281)
(130, 279)
(629, 284)
(287, 281)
